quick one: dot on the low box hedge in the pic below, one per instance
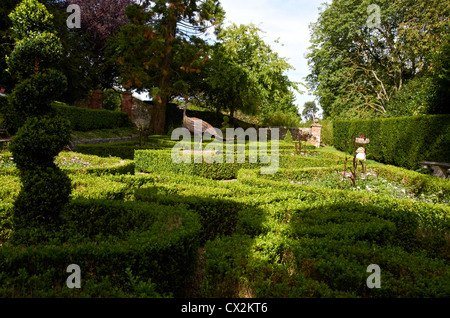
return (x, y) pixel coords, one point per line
(123, 244)
(85, 164)
(313, 242)
(160, 161)
(124, 150)
(218, 216)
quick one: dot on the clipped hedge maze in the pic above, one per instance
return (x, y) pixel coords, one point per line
(140, 235)
(117, 244)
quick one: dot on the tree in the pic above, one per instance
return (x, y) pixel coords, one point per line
(100, 20)
(309, 111)
(245, 74)
(162, 42)
(357, 68)
(440, 78)
(42, 135)
(6, 40)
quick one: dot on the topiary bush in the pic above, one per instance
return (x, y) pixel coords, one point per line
(41, 134)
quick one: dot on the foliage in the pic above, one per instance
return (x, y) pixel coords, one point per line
(288, 137)
(309, 239)
(84, 119)
(326, 134)
(281, 118)
(41, 134)
(309, 111)
(152, 161)
(162, 44)
(245, 74)
(102, 18)
(38, 141)
(441, 79)
(356, 69)
(74, 163)
(112, 239)
(124, 150)
(295, 247)
(400, 141)
(112, 99)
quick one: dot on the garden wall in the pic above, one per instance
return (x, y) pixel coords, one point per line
(402, 141)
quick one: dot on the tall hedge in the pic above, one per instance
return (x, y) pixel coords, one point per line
(402, 141)
(85, 119)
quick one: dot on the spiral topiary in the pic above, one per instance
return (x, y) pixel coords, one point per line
(42, 134)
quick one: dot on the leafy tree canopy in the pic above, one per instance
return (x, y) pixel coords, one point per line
(358, 67)
(245, 74)
(160, 45)
(309, 111)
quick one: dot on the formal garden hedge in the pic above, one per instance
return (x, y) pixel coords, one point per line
(298, 233)
(85, 119)
(126, 249)
(153, 161)
(400, 141)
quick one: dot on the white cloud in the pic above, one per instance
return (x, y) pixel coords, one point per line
(287, 21)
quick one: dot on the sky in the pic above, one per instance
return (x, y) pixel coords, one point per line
(286, 20)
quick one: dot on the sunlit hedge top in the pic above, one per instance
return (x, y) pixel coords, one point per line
(30, 17)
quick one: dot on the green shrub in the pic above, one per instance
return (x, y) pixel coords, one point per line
(161, 162)
(31, 96)
(39, 141)
(41, 135)
(326, 135)
(44, 192)
(400, 141)
(218, 216)
(44, 47)
(288, 137)
(124, 150)
(109, 240)
(85, 119)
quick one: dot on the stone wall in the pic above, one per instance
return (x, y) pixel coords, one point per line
(310, 135)
(139, 112)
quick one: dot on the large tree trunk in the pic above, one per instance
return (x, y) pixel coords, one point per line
(160, 102)
(232, 115)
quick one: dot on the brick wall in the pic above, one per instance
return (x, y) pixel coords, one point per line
(93, 101)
